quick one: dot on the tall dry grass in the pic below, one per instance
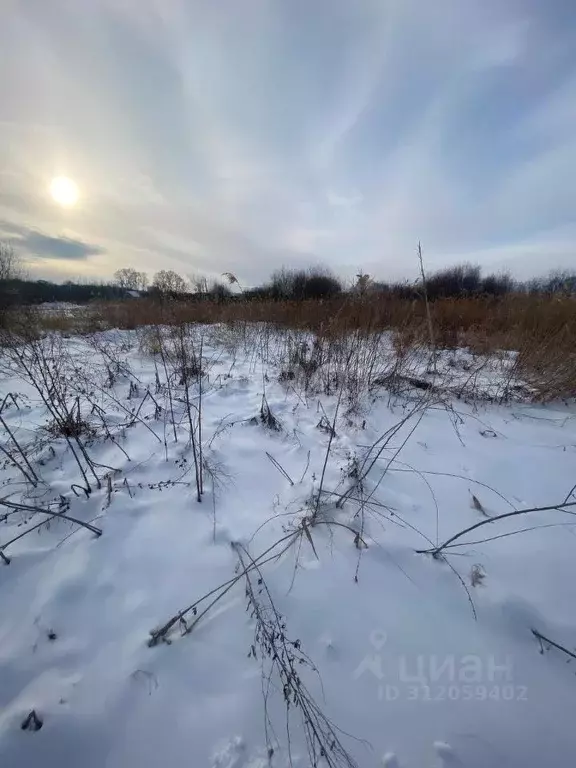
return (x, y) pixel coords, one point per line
(540, 328)
(508, 319)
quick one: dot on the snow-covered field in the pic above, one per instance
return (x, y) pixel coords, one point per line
(313, 512)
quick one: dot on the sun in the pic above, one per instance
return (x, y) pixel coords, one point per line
(64, 191)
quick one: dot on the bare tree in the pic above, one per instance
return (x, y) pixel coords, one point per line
(130, 279)
(363, 282)
(10, 264)
(142, 281)
(168, 281)
(199, 283)
(10, 269)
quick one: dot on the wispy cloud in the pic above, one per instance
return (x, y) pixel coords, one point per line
(240, 136)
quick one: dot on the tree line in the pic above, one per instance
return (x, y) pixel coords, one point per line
(314, 283)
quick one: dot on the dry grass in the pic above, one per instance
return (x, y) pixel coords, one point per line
(540, 328)
(507, 320)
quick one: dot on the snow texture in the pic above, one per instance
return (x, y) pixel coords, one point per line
(405, 667)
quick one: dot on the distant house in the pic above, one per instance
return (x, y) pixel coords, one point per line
(132, 294)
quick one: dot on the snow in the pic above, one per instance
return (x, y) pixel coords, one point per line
(66, 308)
(417, 668)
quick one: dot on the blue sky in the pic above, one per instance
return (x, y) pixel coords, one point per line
(241, 135)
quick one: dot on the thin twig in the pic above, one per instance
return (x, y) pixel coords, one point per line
(280, 468)
(541, 637)
(29, 508)
(428, 313)
(327, 456)
(437, 550)
(158, 634)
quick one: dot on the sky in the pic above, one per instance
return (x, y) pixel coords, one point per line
(211, 136)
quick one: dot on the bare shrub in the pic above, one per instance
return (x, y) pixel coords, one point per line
(43, 361)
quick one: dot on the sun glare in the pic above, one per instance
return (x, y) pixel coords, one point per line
(64, 191)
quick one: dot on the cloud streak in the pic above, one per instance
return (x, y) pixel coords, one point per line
(40, 246)
(242, 136)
